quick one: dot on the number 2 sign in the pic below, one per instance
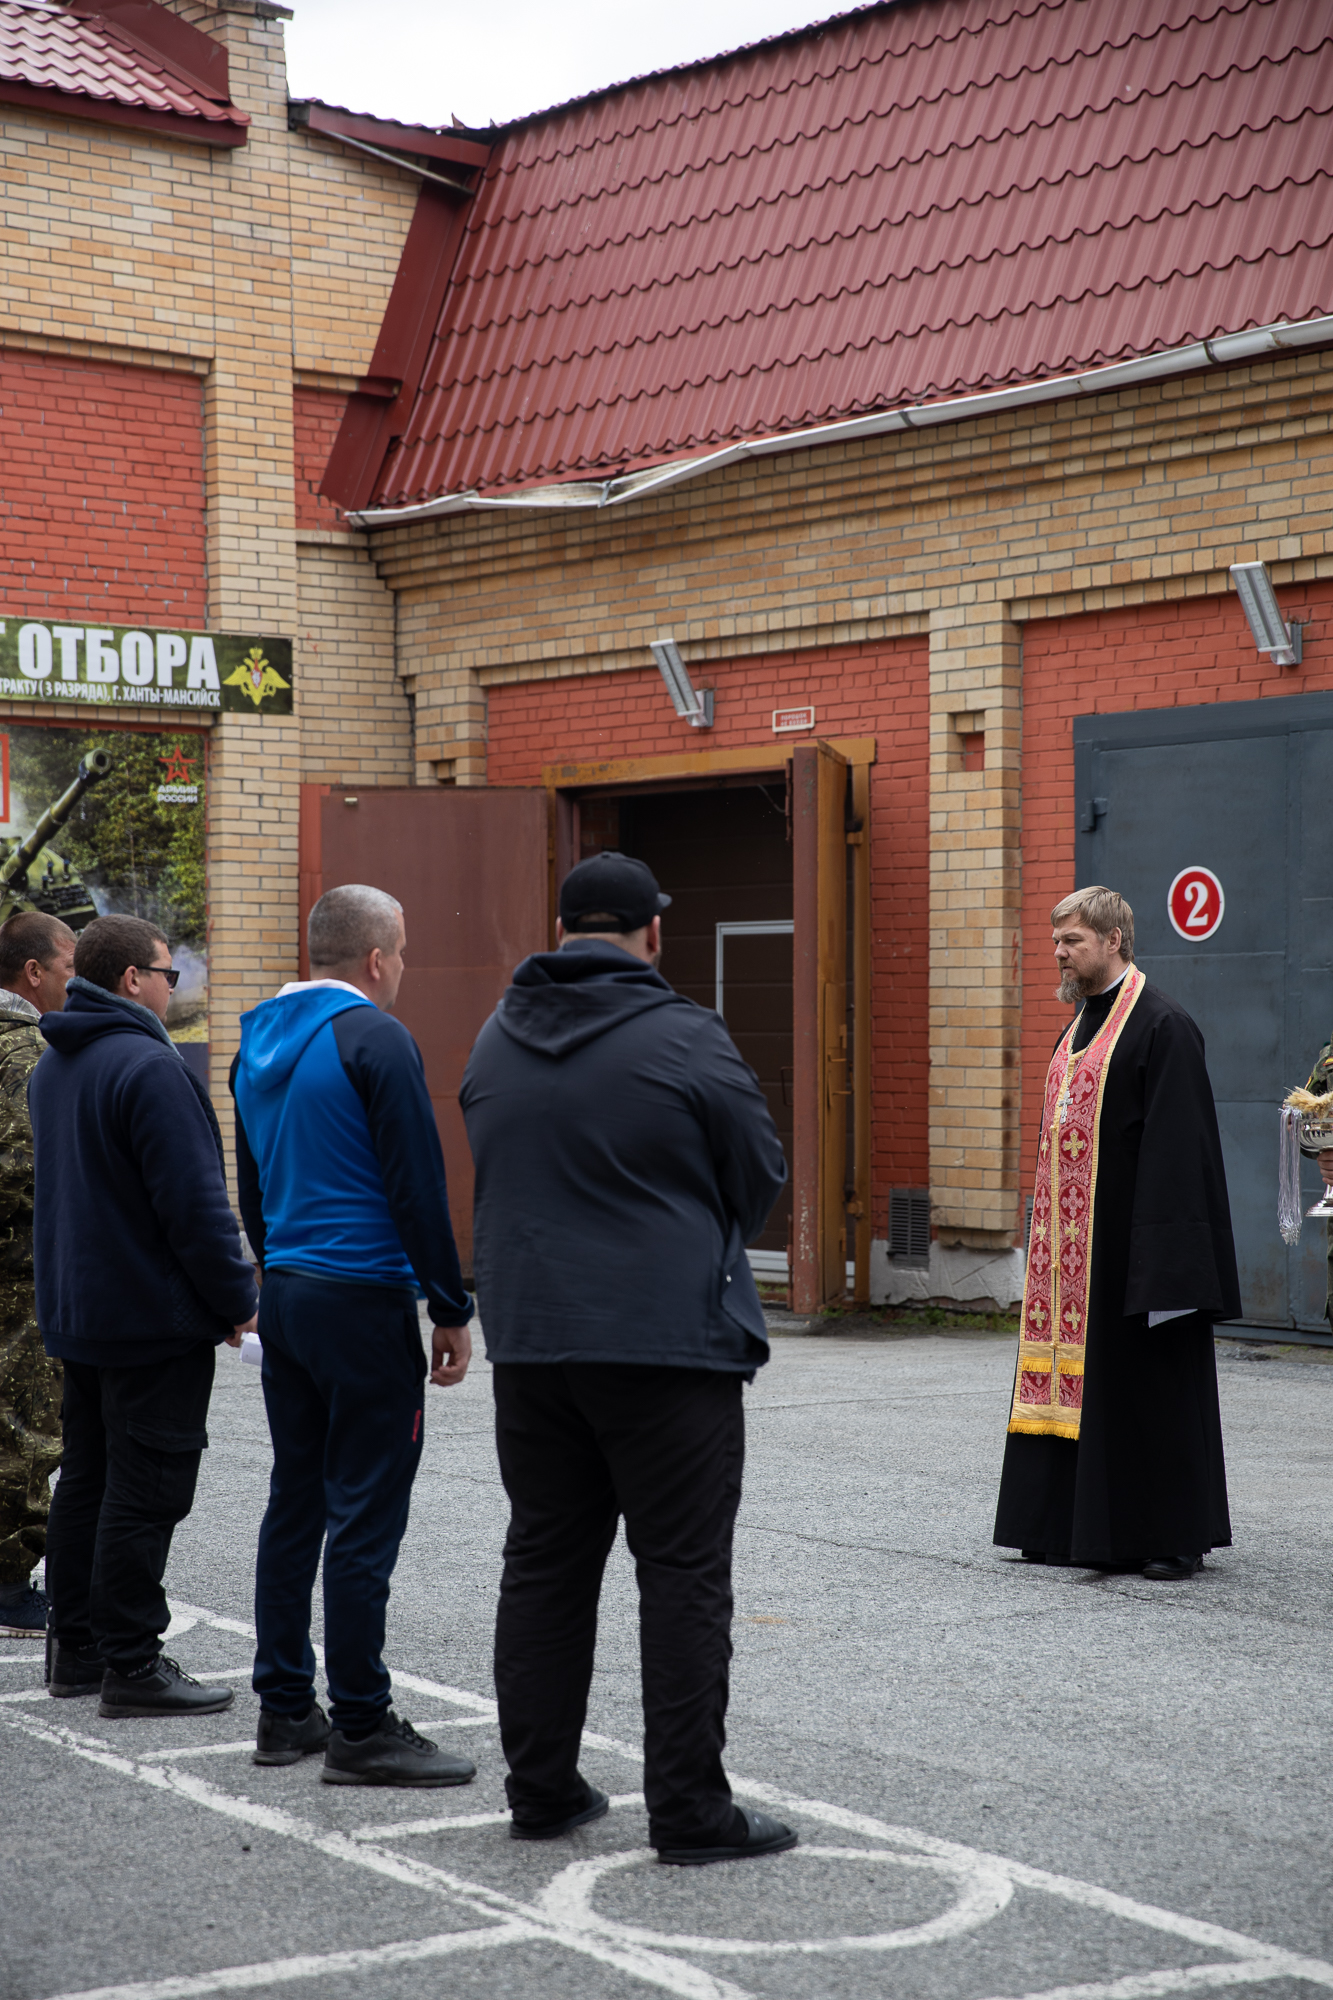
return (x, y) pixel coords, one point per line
(1195, 904)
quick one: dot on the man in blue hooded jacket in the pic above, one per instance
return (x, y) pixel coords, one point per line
(625, 1156)
(341, 1184)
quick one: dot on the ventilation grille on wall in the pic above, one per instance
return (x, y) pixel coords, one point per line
(909, 1227)
(1027, 1226)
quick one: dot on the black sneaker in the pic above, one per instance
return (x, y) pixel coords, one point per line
(72, 1670)
(751, 1834)
(595, 1806)
(286, 1739)
(394, 1755)
(161, 1690)
(23, 1616)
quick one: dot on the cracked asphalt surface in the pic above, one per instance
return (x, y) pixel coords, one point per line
(924, 1699)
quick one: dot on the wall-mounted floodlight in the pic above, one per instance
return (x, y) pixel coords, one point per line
(1272, 634)
(693, 705)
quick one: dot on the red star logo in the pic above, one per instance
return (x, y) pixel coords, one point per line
(178, 766)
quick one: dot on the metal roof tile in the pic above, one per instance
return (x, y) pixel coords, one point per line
(45, 47)
(914, 202)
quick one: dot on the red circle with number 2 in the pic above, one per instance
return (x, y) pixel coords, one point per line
(1195, 904)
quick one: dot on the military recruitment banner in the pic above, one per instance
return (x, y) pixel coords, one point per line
(42, 659)
(132, 841)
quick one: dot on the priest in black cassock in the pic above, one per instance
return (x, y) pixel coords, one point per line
(1114, 1455)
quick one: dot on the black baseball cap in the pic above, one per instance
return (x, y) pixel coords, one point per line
(612, 886)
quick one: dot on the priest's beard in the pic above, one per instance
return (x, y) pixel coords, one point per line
(1075, 986)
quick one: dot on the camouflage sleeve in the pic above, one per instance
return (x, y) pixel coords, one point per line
(1322, 1074)
(18, 1063)
(1321, 1080)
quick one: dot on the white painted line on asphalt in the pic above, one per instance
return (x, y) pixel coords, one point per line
(575, 1925)
(276, 1971)
(27, 1694)
(34, 1659)
(401, 1829)
(455, 1722)
(984, 1892)
(676, 1976)
(1179, 1979)
(195, 1750)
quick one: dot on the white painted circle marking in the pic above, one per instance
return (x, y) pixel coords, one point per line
(984, 1891)
(1196, 903)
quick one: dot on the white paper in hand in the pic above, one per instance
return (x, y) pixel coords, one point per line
(252, 1348)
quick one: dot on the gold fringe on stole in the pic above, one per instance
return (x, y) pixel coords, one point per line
(1048, 1384)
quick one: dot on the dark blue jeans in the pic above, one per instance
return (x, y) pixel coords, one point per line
(344, 1374)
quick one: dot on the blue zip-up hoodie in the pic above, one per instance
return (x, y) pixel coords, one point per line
(339, 1168)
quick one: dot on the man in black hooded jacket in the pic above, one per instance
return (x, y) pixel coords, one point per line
(140, 1277)
(624, 1156)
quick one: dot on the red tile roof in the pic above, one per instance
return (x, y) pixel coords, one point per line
(908, 203)
(89, 68)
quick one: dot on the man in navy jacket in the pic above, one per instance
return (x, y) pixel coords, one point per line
(341, 1183)
(625, 1156)
(139, 1275)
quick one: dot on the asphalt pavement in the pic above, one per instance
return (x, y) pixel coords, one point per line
(1008, 1781)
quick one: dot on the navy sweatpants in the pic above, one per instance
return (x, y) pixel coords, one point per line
(344, 1369)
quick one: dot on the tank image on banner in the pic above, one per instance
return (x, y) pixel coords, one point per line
(96, 821)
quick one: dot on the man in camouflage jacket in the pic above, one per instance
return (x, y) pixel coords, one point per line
(36, 958)
(1321, 1081)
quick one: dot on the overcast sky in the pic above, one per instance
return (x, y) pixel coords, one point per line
(425, 60)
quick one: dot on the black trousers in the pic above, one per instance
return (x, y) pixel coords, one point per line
(344, 1376)
(132, 1442)
(580, 1445)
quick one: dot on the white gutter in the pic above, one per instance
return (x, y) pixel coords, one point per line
(1219, 352)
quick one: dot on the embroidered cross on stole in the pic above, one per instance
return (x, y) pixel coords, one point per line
(1048, 1389)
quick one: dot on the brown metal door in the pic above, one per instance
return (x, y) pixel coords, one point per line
(470, 870)
(822, 1080)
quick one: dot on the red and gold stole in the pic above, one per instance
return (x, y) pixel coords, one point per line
(1048, 1389)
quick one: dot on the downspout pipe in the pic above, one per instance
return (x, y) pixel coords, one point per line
(1222, 351)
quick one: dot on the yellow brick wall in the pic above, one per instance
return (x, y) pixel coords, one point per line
(356, 726)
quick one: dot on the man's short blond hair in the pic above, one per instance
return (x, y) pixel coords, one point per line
(1103, 911)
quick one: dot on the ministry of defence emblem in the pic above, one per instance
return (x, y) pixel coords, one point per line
(255, 677)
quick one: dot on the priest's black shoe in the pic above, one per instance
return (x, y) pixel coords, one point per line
(1172, 1569)
(595, 1806)
(750, 1835)
(72, 1670)
(393, 1755)
(160, 1688)
(286, 1739)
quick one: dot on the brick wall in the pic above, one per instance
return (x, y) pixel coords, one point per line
(856, 691)
(356, 727)
(316, 415)
(102, 495)
(1148, 656)
(981, 534)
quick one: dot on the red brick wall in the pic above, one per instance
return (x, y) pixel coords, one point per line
(317, 414)
(876, 690)
(102, 491)
(1153, 656)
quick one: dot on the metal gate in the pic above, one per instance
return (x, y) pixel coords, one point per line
(1244, 790)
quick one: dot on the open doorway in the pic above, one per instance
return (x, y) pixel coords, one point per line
(723, 854)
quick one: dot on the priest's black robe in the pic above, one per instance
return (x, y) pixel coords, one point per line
(1146, 1476)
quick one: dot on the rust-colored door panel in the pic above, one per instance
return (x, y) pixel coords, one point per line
(821, 1088)
(470, 870)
